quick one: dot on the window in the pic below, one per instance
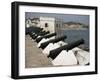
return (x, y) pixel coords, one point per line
(46, 24)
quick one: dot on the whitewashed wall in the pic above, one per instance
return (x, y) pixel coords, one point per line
(51, 24)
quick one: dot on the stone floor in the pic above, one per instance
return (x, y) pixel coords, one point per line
(34, 56)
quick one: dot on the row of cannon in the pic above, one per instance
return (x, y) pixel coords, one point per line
(60, 52)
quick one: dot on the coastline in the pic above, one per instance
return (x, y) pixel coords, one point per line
(74, 28)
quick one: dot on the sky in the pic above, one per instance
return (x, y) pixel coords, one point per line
(64, 17)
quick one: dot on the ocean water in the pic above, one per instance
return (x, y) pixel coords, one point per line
(73, 35)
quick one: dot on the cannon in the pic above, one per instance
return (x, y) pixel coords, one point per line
(54, 53)
(34, 36)
(31, 34)
(43, 45)
(33, 29)
(42, 33)
(45, 36)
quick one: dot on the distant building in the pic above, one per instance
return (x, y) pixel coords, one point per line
(35, 22)
(28, 23)
(32, 22)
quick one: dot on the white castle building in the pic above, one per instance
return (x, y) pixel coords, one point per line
(47, 23)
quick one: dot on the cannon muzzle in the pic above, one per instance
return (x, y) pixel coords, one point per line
(45, 36)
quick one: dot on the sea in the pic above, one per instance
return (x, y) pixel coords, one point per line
(73, 35)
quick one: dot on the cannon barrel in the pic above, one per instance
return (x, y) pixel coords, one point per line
(31, 34)
(54, 53)
(43, 33)
(40, 34)
(43, 45)
(45, 36)
(34, 36)
(33, 29)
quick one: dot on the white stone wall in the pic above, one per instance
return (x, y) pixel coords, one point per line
(51, 24)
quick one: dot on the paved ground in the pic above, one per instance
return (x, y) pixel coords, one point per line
(34, 56)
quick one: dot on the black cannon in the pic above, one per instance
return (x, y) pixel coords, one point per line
(43, 45)
(33, 29)
(34, 36)
(54, 53)
(45, 36)
(31, 34)
(42, 33)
